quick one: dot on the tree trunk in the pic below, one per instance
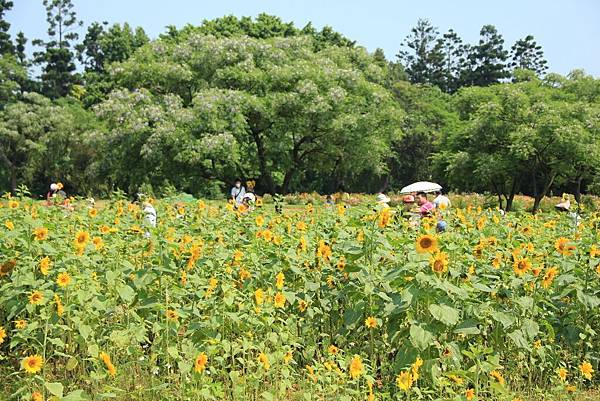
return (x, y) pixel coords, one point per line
(539, 195)
(265, 174)
(578, 189)
(13, 179)
(386, 183)
(287, 179)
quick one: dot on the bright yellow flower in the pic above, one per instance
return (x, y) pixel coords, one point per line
(439, 263)
(264, 361)
(98, 243)
(404, 381)
(586, 370)
(2, 334)
(259, 296)
(20, 324)
(13, 204)
(59, 306)
(302, 305)
(356, 367)
(324, 250)
(32, 364)
(426, 244)
(371, 322)
(200, 362)
(549, 277)
(63, 279)
(172, 315)
(562, 374)
(498, 376)
(81, 239)
(260, 220)
(456, 379)
(108, 363)
(92, 212)
(9, 225)
(563, 247)
(36, 297)
(287, 357)
(570, 388)
(521, 266)
(45, 265)
(280, 280)
(279, 300)
(333, 350)
(41, 233)
(37, 396)
(470, 394)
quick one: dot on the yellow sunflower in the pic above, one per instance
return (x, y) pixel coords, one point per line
(371, 322)
(357, 368)
(36, 298)
(2, 334)
(563, 246)
(172, 315)
(404, 381)
(200, 362)
(498, 376)
(40, 233)
(45, 265)
(562, 374)
(264, 361)
(426, 244)
(439, 262)
(521, 266)
(32, 364)
(279, 280)
(586, 370)
(81, 239)
(63, 279)
(279, 300)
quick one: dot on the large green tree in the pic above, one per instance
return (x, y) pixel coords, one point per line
(57, 58)
(293, 110)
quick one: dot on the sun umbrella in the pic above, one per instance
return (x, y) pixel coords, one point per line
(421, 186)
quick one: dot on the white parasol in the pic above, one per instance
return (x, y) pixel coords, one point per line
(421, 186)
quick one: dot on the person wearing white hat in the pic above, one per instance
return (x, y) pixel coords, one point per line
(382, 199)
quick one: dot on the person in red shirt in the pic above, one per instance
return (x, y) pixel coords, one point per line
(426, 208)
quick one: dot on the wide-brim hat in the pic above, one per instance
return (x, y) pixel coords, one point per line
(382, 198)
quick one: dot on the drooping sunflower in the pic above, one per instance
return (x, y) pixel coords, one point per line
(356, 367)
(200, 362)
(63, 279)
(45, 265)
(279, 280)
(426, 244)
(60, 309)
(7, 267)
(564, 247)
(108, 363)
(439, 262)
(404, 381)
(259, 296)
(470, 394)
(264, 361)
(302, 305)
(498, 376)
(521, 266)
(32, 364)
(36, 297)
(2, 334)
(549, 277)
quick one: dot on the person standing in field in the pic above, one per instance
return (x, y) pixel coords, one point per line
(426, 208)
(237, 192)
(441, 201)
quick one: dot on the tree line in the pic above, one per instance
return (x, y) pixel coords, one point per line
(295, 109)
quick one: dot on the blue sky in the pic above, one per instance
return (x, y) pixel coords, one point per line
(568, 30)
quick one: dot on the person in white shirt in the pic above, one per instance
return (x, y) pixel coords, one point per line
(237, 192)
(441, 200)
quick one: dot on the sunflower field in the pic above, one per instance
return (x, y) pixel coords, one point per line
(316, 303)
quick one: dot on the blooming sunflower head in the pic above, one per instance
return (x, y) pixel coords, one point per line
(439, 263)
(63, 279)
(521, 266)
(426, 244)
(371, 322)
(36, 298)
(200, 362)
(32, 364)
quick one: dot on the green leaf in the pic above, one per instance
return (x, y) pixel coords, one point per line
(518, 339)
(445, 314)
(468, 327)
(267, 396)
(420, 337)
(126, 293)
(55, 389)
(504, 318)
(85, 331)
(77, 395)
